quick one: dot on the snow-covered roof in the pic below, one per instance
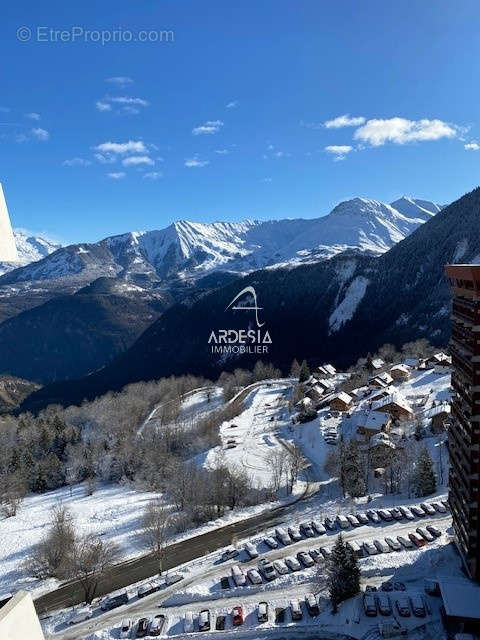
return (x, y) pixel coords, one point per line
(344, 397)
(378, 363)
(437, 410)
(382, 393)
(329, 368)
(381, 439)
(411, 362)
(327, 384)
(374, 420)
(359, 392)
(460, 598)
(394, 398)
(385, 377)
(400, 367)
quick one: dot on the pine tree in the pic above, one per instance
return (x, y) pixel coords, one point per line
(295, 369)
(343, 574)
(369, 364)
(425, 480)
(304, 372)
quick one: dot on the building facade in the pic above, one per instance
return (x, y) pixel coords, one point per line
(18, 619)
(464, 431)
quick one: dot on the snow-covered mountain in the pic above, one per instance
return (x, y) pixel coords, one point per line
(187, 250)
(29, 249)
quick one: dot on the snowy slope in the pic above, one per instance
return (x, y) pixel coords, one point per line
(29, 249)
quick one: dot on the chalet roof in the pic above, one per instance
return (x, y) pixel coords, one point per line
(378, 363)
(344, 397)
(400, 367)
(327, 384)
(374, 420)
(381, 439)
(411, 362)
(394, 398)
(437, 410)
(359, 392)
(329, 368)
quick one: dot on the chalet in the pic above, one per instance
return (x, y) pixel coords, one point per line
(381, 380)
(378, 364)
(315, 393)
(400, 372)
(437, 417)
(328, 385)
(381, 393)
(381, 450)
(341, 402)
(359, 392)
(396, 405)
(304, 404)
(441, 360)
(370, 423)
(327, 370)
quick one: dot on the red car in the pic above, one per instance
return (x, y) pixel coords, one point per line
(237, 614)
(417, 540)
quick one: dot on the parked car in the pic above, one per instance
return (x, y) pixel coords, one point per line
(146, 589)
(369, 605)
(142, 627)
(156, 625)
(306, 529)
(353, 520)
(403, 606)
(292, 563)
(188, 623)
(407, 513)
(330, 524)
(238, 576)
(370, 548)
(373, 516)
(267, 569)
(382, 546)
(279, 615)
(294, 533)
(81, 614)
(418, 605)
(220, 623)
(114, 601)
(405, 542)
(271, 542)
(305, 558)
(387, 586)
(438, 506)
(296, 610)
(262, 612)
(173, 578)
(355, 548)
(326, 553)
(393, 544)
(316, 555)
(318, 527)
(283, 536)
(280, 567)
(428, 508)
(254, 576)
(417, 540)
(385, 515)
(362, 518)
(396, 513)
(432, 587)
(237, 616)
(445, 504)
(426, 535)
(229, 553)
(384, 605)
(312, 604)
(125, 628)
(343, 523)
(251, 550)
(204, 620)
(417, 511)
(436, 533)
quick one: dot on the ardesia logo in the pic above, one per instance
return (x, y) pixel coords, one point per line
(255, 308)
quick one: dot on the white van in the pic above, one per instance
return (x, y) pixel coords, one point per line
(343, 522)
(251, 550)
(296, 610)
(238, 576)
(82, 614)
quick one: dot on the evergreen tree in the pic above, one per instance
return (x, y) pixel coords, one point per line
(343, 574)
(369, 364)
(352, 470)
(295, 369)
(304, 372)
(425, 481)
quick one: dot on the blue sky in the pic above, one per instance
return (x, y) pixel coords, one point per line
(227, 121)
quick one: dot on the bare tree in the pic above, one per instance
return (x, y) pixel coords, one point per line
(92, 559)
(278, 467)
(53, 555)
(155, 528)
(296, 461)
(13, 489)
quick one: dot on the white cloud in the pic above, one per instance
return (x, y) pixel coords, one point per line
(153, 175)
(40, 134)
(344, 121)
(77, 162)
(119, 81)
(32, 116)
(126, 100)
(133, 161)
(232, 105)
(195, 162)
(211, 126)
(222, 152)
(472, 146)
(402, 131)
(103, 106)
(121, 148)
(281, 154)
(339, 151)
(119, 175)
(104, 158)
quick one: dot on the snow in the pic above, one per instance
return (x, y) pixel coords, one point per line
(346, 309)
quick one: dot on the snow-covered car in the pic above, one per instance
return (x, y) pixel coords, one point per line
(407, 513)
(326, 553)
(403, 606)
(383, 604)
(343, 523)
(405, 542)
(306, 529)
(280, 567)
(82, 614)
(312, 604)
(262, 612)
(385, 514)
(296, 610)
(417, 511)
(251, 550)
(370, 548)
(238, 576)
(112, 602)
(294, 533)
(424, 533)
(125, 628)
(204, 620)
(305, 558)
(353, 520)
(229, 553)
(330, 524)
(318, 527)
(267, 569)
(254, 576)
(396, 513)
(292, 563)
(142, 627)
(156, 625)
(369, 605)
(436, 533)
(382, 546)
(429, 510)
(316, 555)
(362, 518)
(355, 548)
(417, 540)
(373, 516)
(188, 622)
(438, 506)
(237, 616)
(146, 589)
(283, 536)
(393, 544)
(445, 504)
(271, 542)
(418, 605)
(173, 578)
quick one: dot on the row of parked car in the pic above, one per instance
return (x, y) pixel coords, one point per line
(143, 628)
(381, 603)
(264, 614)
